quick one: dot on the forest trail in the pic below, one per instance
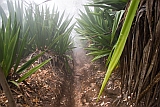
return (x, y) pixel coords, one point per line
(81, 61)
(51, 86)
(87, 78)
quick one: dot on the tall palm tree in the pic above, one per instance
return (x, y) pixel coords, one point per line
(140, 61)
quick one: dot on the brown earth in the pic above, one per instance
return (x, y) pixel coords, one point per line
(54, 87)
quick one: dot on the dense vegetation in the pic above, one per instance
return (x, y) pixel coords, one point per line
(122, 33)
(28, 30)
(139, 63)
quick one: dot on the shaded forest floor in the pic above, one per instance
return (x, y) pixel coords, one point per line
(54, 87)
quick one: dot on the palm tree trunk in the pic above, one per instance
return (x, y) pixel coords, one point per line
(140, 61)
(6, 89)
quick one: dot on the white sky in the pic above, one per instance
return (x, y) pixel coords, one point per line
(70, 6)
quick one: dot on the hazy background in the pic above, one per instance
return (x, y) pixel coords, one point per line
(71, 8)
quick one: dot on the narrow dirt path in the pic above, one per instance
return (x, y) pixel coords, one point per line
(81, 60)
(87, 79)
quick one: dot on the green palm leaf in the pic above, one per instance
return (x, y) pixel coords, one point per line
(33, 70)
(121, 42)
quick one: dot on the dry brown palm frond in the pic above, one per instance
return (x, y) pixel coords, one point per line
(140, 63)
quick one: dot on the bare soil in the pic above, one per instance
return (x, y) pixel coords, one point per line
(53, 87)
